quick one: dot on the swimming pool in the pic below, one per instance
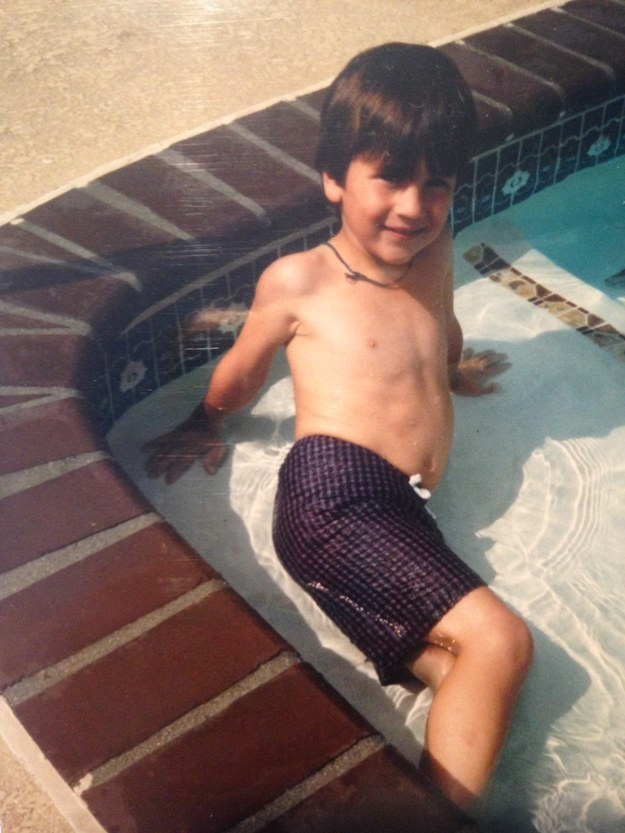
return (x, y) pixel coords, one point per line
(580, 226)
(532, 499)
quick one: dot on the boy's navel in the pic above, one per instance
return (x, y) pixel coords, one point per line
(372, 343)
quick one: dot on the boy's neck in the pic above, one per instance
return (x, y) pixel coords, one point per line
(354, 277)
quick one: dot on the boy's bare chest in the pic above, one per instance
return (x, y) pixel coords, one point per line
(382, 320)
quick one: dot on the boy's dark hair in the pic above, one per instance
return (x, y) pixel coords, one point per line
(401, 103)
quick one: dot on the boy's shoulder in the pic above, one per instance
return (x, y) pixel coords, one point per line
(293, 274)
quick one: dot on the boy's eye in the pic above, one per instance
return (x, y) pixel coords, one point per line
(399, 179)
(393, 178)
(440, 184)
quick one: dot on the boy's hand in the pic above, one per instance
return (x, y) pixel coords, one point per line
(474, 369)
(173, 453)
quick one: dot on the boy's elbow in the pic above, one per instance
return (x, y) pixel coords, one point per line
(235, 391)
(226, 401)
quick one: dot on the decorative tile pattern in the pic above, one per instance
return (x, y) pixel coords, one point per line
(488, 263)
(514, 171)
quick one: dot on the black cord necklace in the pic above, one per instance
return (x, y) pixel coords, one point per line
(353, 276)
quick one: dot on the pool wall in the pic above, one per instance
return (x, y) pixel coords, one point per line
(159, 697)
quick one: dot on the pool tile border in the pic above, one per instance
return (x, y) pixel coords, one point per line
(491, 265)
(91, 311)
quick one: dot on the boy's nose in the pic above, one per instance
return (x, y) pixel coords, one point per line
(410, 202)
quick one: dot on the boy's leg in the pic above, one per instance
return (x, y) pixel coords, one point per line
(477, 680)
(431, 664)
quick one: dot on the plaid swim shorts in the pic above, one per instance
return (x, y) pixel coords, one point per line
(353, 532)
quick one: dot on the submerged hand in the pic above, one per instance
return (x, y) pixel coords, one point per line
(474, 369)
(174, 452)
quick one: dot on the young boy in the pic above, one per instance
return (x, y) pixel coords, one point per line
(374, 349)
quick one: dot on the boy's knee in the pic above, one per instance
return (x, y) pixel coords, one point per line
(483, 626)
(523, 643)
(512, 640)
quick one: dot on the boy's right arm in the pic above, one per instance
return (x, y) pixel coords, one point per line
(237, 378)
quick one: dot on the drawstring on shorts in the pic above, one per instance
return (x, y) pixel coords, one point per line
(414, 482)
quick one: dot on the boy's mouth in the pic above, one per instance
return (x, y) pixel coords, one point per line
(401, 231)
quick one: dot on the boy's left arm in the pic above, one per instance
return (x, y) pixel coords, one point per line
(470, 373)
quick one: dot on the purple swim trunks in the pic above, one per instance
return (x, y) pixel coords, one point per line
(353, 532)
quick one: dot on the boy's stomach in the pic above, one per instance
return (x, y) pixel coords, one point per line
(414, 438)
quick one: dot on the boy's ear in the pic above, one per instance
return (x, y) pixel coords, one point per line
(331, 188)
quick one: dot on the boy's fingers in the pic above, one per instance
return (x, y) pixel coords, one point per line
(214, 459)
(501, 367)
(492, 388)
(491, 356)
(177, 467)
(154, 465)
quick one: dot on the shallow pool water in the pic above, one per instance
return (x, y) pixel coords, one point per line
(532, 499)
(580, 225)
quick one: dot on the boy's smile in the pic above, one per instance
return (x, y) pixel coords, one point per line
(385, 223)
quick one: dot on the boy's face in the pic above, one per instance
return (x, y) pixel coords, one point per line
(390, 221)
